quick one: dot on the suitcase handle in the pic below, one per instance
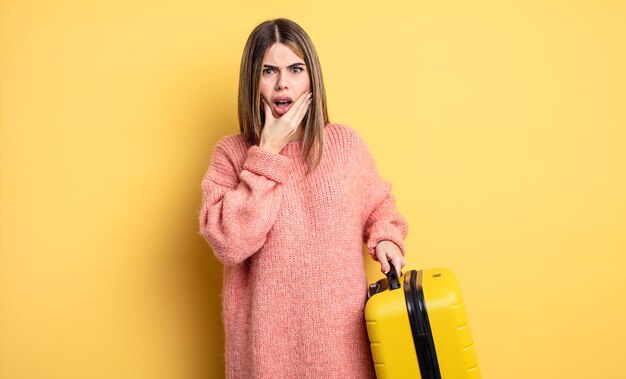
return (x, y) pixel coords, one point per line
(392, 277)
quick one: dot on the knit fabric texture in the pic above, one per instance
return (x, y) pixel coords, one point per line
(294, 286)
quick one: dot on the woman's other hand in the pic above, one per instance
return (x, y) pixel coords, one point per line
(278, 131)
(389, 251)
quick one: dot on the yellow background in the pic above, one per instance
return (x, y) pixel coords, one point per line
(500, 125)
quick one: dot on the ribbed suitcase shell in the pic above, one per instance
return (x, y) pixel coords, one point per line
(391, 336)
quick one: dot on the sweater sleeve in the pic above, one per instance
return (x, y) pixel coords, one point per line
(383, 221)
(239, 208)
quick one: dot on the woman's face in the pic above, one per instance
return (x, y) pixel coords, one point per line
(284, 77)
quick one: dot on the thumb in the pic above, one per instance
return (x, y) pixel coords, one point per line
(382, 258)
(267, 109)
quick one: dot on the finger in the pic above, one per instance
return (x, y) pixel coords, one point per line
(266, 108)
(384, 267)
(300, 103)
(382, 258)
(301, 112)
(303, 97)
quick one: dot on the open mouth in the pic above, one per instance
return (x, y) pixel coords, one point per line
(281, 107)
(282, 103)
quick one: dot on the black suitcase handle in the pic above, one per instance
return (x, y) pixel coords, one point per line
(393, 277)
(392, 282)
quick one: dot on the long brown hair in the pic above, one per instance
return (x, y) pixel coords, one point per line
(251, 114)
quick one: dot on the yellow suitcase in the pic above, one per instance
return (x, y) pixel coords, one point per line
(418, 327)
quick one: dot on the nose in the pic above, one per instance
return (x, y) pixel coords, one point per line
(281, 81)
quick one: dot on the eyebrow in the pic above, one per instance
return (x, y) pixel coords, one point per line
(290, 66)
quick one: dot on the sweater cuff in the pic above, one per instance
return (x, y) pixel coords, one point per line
(386, 232)
(262, 162)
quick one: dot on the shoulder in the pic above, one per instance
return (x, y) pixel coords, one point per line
(232, 147)
(343, 136)
(228, 156)
(231, 143)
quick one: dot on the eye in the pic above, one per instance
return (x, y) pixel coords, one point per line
(267, 71)
(298, 69)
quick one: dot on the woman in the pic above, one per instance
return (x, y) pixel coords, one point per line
(286, 206)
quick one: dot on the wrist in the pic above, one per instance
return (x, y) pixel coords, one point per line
(389, 244)
(268, 147)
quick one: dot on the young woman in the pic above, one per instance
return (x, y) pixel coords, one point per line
(286, 206)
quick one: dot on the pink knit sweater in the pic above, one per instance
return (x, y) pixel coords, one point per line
(294, 283)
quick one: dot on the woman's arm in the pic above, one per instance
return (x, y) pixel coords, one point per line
(385, 231)
(239, 209)
(384, 224)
